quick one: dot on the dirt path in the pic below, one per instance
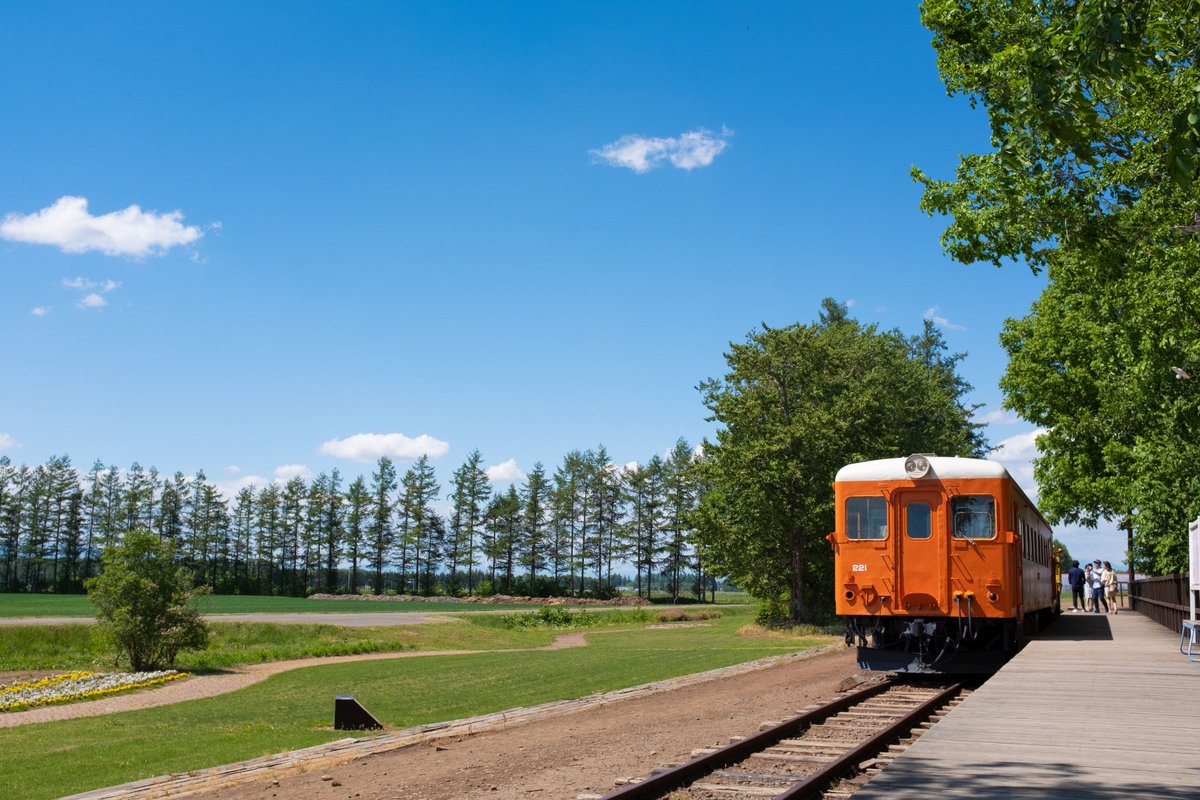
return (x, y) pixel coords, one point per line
(561, 757)
(201, 686)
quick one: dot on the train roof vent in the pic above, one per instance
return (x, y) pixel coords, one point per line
(917, 465)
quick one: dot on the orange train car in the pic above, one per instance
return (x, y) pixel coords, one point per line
(940, 564)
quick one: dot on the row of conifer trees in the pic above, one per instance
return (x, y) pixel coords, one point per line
(567, 532)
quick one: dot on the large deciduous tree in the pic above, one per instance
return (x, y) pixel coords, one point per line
(797, 404)
(1094, 108)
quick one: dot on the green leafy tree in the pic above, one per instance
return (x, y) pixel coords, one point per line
(1064, 555)
(1094, 109)
(797, 404)
(143, 601)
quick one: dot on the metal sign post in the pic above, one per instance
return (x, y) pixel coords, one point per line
(1188, 628)
(1193, 565)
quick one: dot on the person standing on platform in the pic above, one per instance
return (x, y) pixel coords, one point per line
(1109, 580)
(1098, 588)
(1075, 581)
(1087, 585)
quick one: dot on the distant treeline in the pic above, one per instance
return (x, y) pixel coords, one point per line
(559, 534)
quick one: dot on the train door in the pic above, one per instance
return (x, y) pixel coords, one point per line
(922, 553)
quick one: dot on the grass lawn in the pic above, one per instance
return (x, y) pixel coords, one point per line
(78, 605)
(288, 711)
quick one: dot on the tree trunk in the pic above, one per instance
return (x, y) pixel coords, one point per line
(797, 607)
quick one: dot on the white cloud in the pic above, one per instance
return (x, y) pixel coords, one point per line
(7, 442)
(505, 471)
(1016, 453)
(1022, 447)
(229, 489)
(108, 286)
(288, 471)
(93, 300)
(233, 469)
(997, 417)
(687, 151)
(40, 311)
(368, 447)
(68, 226)
(932, 315)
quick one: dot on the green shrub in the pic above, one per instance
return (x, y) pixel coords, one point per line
(144, 602)
(561, 617)
(680, 615)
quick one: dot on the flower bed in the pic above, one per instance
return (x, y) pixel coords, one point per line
(79, 686)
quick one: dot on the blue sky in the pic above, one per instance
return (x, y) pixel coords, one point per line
(523, 228)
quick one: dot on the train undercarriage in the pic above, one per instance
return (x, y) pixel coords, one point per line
(934, 644)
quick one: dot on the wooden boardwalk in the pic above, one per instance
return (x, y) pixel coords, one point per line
(1098, 707)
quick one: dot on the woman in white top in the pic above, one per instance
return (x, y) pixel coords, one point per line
(1108, 579)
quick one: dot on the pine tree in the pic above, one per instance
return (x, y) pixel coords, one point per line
(174, 498)
(292, 519)
(331, 527)
(472, 491)
(12, 495)
(93, 503)
(681, 497)
(270, 547)
(420, 489)
(243, 539)
(535, 499)
(503, 536)
(383, 483)
(358, 502)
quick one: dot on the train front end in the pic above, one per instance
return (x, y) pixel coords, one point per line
(924, 566)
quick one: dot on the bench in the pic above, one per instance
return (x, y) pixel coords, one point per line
(1189, 632)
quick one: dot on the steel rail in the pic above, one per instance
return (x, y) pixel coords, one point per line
(815, 784)
(669, 780)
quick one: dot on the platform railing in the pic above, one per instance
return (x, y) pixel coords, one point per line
(1163, 599)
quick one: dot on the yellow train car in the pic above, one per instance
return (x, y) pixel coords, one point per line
(940, 564)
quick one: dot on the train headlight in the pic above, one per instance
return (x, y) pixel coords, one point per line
(916, 466)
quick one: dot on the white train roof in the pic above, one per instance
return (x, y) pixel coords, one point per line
(940, 467)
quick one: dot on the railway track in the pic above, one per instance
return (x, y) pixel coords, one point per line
(839, 744)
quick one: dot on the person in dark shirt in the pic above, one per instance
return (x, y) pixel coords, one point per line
(1075, 578)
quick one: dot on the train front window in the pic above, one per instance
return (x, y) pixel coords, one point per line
(916, 520)
(974, 516)
(866, 518)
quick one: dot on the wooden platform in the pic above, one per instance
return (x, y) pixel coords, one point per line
(1098, 707)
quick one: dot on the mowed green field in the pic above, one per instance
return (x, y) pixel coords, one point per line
(78, 605)
(294, 709)
(75, 646)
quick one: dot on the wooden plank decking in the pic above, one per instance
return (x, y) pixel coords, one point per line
(1097, 707)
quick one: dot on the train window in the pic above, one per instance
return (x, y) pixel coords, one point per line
(866, 518)
(917, 517)
(974, 516)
